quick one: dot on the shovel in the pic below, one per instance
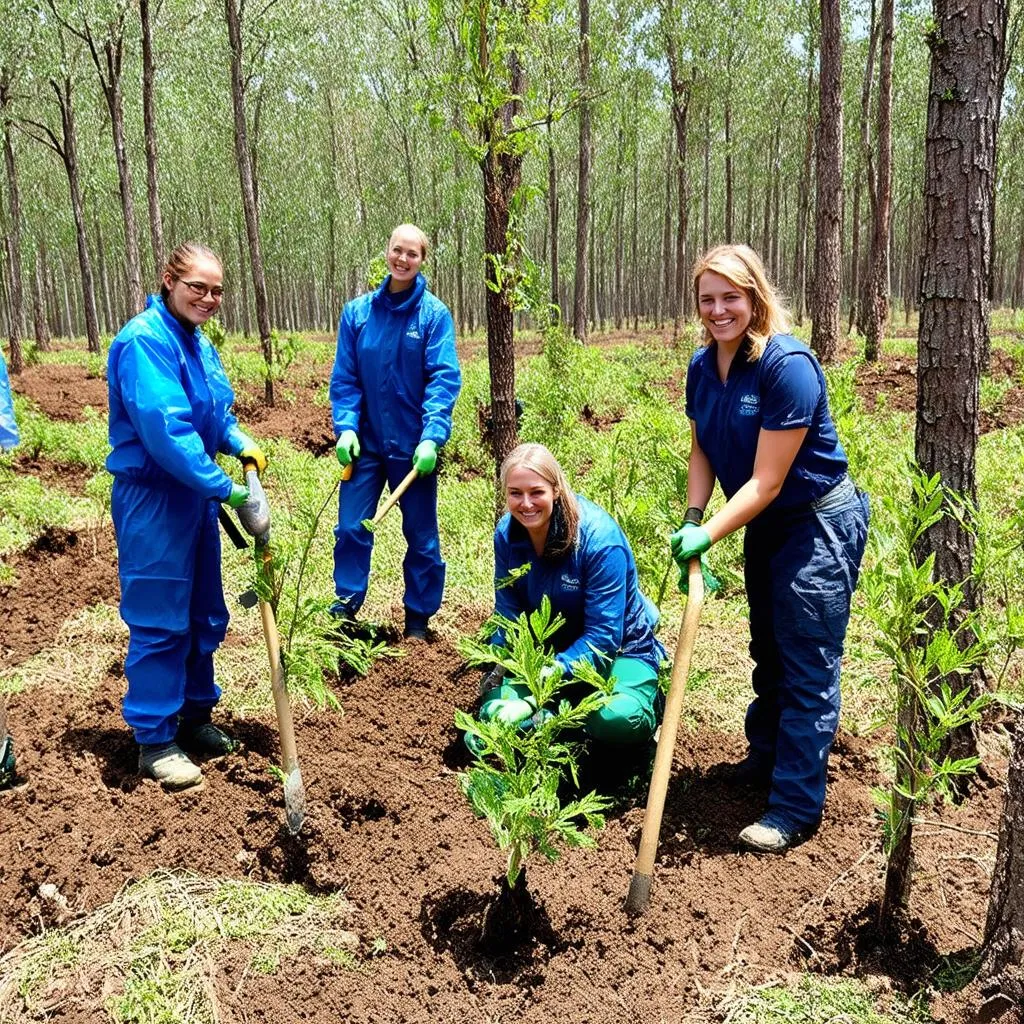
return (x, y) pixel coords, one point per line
(371, 524)
(640, 886)
(294, 791)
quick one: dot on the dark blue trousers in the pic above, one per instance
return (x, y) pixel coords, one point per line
(353, 543)
(801, 570)
(168, 563)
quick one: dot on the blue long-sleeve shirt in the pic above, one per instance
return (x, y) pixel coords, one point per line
(594, 586)
(396, 375)
(9, 435)
(170, 405)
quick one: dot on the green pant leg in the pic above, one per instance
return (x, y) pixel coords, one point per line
(629, 716)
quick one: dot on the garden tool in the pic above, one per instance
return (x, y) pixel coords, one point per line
(371, 524)
(640, 886)
(259, 519)
(7, 769)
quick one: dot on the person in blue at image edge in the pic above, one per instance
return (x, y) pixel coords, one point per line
(580, 559)
(170, 414)
(9, 438)
(760, 425)
(393, 388)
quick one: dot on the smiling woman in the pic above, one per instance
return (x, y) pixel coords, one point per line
(575, 555)
(170, 414)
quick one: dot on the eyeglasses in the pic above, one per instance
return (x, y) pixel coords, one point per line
(200, 290)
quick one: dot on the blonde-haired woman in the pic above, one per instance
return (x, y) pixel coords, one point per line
(393, 388)
(580, 559)
(760, 425)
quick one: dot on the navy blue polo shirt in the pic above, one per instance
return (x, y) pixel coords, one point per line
(782, 390)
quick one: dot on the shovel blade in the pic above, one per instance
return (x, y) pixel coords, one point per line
(639, 893)
(294, 801)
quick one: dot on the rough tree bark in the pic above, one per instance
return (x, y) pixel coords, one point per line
(234, 10)
(804, 193)
(156, 227)
(580, 296)
(682, 86)
(40, 325)
(829, 171)
(1002, 966)
(878, 287)
(966, 46)
(16, 310)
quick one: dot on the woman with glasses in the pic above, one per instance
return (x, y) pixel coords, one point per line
(393, 388)
(170, 414)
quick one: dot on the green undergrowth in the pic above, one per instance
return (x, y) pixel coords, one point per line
(815, 1000)
(152, 952)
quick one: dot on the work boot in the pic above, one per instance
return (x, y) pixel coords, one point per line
(415, 626)
(753, 771)
(200, 736)
(771, 835)
(169, 765)
(7, 766)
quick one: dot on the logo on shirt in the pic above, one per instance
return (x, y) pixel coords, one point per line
(570, 582)
(750, 405)
(412, 333)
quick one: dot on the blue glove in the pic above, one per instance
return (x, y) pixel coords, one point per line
(424, 459)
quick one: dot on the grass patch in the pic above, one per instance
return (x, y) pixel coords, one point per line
(28, 506)
(153, 950)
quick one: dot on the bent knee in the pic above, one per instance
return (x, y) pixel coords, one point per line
(623, 720)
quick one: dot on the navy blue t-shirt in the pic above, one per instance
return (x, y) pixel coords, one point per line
(783, 390)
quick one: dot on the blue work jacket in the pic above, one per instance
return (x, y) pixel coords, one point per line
(594, 586)
(396, 375)
(783, 390)
(9, 435)
(170, 405)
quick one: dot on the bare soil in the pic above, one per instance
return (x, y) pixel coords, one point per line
(387, 826)
(62, 392)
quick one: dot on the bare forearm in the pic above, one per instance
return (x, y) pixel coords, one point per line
(750, 500)
(700, 481)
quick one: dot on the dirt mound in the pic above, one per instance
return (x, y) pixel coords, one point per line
(305, 424)
(62, 572)
(386, 824)
(62, 392)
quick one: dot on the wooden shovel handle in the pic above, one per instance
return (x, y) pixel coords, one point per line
(642, 871)
(395, 495)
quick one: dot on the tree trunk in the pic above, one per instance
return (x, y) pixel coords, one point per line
(40, 325)
(16, 313)
(705, 200)
(69, 154)
(553, 221)
(101, 266)
(803, 205)
(580, 297)
(681, 86)
(728, 170)
(829, 167)
(247, 180)
(156, 228)
(665, 291)
(878, 308)
(966, 50)
(1002, 966)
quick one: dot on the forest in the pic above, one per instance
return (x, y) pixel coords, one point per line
(568, 162)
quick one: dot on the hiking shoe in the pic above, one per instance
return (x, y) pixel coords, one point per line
(7, 766)
(169, 765)
(771, 836)
(205, 739)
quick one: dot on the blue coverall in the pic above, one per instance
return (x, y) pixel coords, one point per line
(170, 413)
(802, 559)
(395, 381)
(608, 621)
(9, 435)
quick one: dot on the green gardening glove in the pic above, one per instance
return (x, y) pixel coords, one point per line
(239, 496)
(687, 542)
(712, 584)
(424, 459)
(347, 447)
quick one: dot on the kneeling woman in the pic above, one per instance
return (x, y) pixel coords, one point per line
(580, 560)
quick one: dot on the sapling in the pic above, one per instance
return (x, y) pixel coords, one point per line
(928, 644)
(515, 780)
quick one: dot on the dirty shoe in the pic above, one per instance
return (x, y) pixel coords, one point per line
(7, 766)
(169, 765)
(205, 739)
(769, 835)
